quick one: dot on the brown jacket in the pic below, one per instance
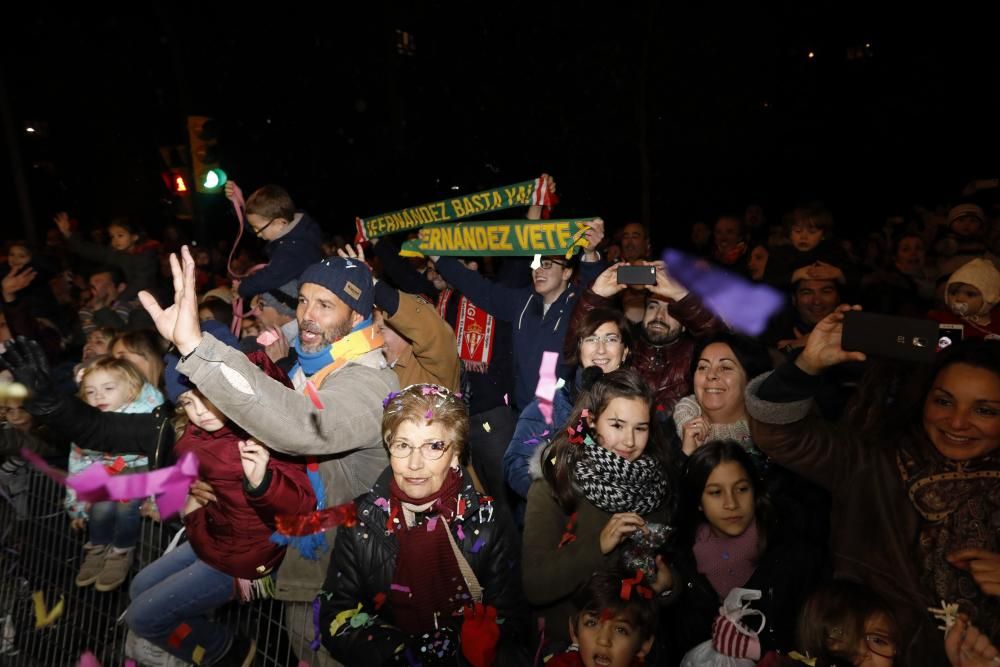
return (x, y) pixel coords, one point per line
(874, 524)
(433, 354)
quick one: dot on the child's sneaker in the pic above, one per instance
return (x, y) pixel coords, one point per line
(93, 563)
(116, 566)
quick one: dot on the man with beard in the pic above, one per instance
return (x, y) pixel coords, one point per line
(334, 413)
(636, 248)
(664, 341)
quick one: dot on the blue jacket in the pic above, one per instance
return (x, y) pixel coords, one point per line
(531, 433)
(290, 255)
(534, 332)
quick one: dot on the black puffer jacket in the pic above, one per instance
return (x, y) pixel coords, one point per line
(364, 562)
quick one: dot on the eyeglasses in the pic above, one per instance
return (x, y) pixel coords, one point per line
(431, 451)
(607, 339)
(881, 645)
(258, 232)
(548, 263)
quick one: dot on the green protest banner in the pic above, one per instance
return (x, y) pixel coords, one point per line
(501, 237)
(528, 193)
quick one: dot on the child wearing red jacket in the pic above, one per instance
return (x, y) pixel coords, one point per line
(228, 553)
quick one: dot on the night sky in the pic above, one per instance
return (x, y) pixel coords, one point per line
(646, 110)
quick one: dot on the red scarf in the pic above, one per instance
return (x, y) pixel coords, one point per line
(427, 580)
(474, 329)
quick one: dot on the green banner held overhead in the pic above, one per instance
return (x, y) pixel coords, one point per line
(501, 237)
(528, 193)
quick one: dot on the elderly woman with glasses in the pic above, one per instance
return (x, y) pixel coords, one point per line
(429, 572)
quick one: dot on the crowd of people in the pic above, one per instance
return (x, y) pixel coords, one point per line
(373, 452)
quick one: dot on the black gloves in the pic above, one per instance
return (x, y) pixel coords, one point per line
(26, 360)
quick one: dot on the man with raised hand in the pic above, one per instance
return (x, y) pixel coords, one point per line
(334, 413)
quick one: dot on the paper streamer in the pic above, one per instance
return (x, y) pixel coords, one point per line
(95, 484)
(317, 521)
(43, 616)
(545, 391)
(744, 305)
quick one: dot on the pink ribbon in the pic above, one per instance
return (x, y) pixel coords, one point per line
(95, 484)
(546, 389)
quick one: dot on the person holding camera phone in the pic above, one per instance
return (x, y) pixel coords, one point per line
(665, 339)
(916, 508)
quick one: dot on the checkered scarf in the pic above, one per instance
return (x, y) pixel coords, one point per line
(615, 484)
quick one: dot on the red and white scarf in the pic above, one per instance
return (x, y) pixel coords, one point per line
(474, 330)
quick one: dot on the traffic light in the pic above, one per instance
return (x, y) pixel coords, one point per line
(208, 175)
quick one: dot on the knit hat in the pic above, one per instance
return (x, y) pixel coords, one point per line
(348, 279)
(283, 299)
(176, 384)
(981, 274)
(961, 210)
(220, 293)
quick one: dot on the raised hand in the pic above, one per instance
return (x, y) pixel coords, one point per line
(26, 361)
(666, 286)
(594, 236)
(178, 323)
(16, 280)
(254, 458)
(357, 252)
(62, 222)
(607, 284)
(823, 346)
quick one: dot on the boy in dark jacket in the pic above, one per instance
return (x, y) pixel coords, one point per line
(293, 238)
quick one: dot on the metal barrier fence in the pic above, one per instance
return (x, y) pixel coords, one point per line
(39, 552)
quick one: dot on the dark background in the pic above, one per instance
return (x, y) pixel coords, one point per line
(641, 110)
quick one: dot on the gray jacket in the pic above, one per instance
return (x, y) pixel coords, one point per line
(345, 435)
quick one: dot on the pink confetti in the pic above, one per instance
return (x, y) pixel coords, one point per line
(506, 401)
(432, 524)
(383, 503)
(585, 412)
(545, 407)
(428, 390)
(400, 588)
(429, 415)
(267, 338)
(461, 533)
(95, 484)
(88, 659)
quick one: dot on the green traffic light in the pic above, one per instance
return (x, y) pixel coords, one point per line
(214, 178)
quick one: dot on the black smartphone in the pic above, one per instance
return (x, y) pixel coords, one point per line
(636, 275)
(949, 334)
(904, 338)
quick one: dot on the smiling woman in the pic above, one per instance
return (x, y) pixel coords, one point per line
(720, 369)
(922, 475)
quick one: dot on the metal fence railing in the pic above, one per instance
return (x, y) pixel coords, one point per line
(39, 552)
